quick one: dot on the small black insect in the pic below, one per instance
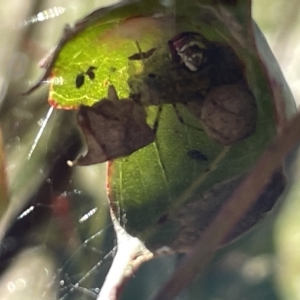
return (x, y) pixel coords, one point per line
(197, 155)
(79, 80)
(90, 72)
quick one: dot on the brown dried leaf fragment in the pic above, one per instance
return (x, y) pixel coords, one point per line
(112, 128)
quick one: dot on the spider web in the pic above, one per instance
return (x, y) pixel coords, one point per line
(83, 254)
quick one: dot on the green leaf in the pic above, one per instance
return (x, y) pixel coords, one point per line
(162, 193)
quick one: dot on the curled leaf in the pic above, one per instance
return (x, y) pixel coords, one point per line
(190, 79)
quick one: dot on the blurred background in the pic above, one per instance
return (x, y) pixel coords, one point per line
(279, 21)
(264, 264)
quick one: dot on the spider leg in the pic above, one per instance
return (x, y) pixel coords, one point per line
(181, 120)
(140, 52)
(156, 121)
(156, 141)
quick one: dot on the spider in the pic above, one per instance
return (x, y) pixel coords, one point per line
(228, 111)
(198, 67)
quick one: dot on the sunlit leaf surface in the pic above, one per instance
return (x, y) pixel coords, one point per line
(103, 47)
